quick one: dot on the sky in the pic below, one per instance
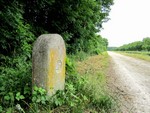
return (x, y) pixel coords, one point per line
(129, 22)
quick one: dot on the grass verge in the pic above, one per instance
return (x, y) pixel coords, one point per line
(94, 69)
(137, 54)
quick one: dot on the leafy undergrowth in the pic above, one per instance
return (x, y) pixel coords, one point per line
(84, 90)
(137, 54)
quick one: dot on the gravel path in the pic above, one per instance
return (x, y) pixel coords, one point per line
(129, 78)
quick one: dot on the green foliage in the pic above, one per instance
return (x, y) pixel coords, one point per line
(15, 84)
(15, 56)
(99, 99)
(80, 55)
(111, 48)
(39, 95)
(81, 93)
(76, 21)
(72, 98)
(76, 97)
(146, 44)
(95, 45)
(136, 46)
(21, 22)
(1, 109)
(19, 96)
(15, 33)
(93, 69)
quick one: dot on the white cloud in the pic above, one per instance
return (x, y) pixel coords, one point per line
(130, 21)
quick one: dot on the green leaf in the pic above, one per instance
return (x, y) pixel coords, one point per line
(22, 97)
(1, 109)
(43, 98)
(35, 88)
(34, 99)
(19, 96)
(9, 110)
(38, 100)
(26, 90)
(7, 97)
(34, 93)
(72, 104)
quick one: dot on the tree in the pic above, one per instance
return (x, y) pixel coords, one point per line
(76, 20)
(146, 44)
(16, 36)
(134, 46)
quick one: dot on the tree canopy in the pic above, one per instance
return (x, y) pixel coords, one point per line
(146, 44)
(77, 21)
(136, 46)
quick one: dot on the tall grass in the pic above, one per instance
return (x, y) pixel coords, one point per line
(94, 70)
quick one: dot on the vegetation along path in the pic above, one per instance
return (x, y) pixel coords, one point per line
(130, 79)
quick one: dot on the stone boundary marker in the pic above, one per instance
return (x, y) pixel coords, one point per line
(48, 63)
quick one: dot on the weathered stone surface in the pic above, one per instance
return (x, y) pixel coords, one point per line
(49, 63)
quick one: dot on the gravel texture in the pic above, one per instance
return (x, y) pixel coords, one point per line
(129, 80)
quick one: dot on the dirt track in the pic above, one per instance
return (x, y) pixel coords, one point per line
(129, 79)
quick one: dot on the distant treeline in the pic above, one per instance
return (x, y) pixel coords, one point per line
(143, 45)
(111, 48)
